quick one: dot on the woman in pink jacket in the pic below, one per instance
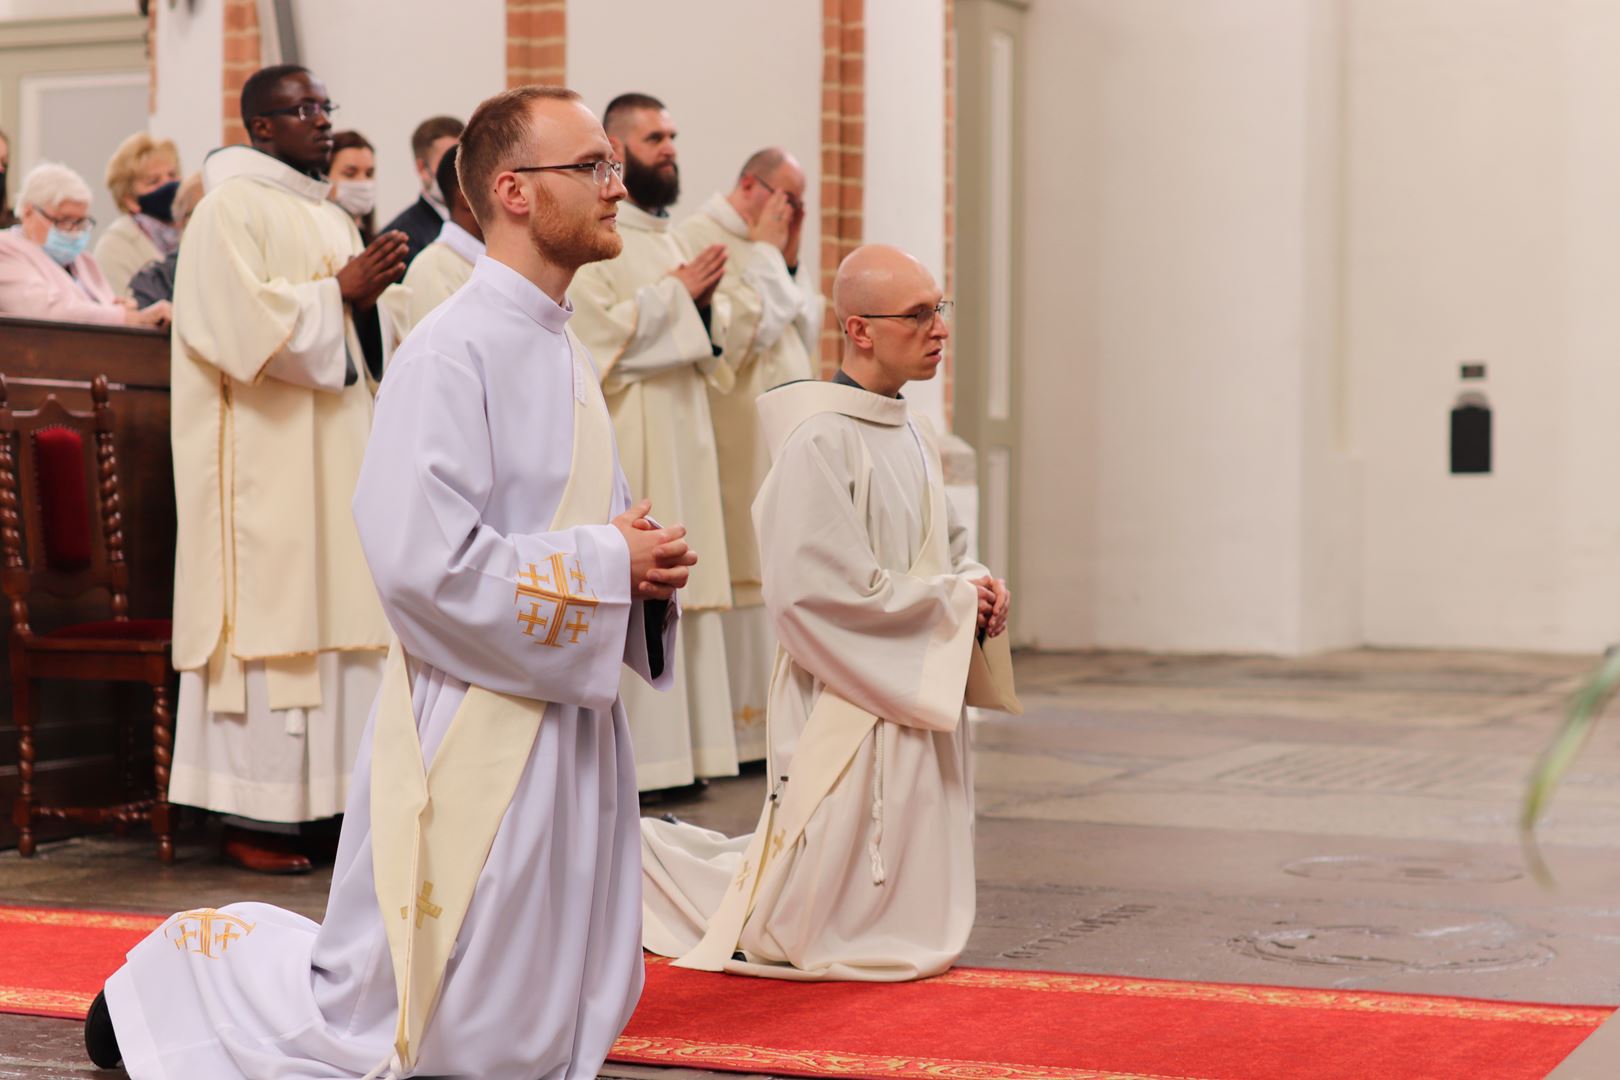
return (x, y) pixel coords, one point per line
(46, 271)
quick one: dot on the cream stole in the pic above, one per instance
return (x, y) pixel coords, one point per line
(836, 728)
(432, 829)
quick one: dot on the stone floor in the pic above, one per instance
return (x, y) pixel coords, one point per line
(1345, 820)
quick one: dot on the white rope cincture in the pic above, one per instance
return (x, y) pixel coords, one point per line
(386, 1069)
(874, 848)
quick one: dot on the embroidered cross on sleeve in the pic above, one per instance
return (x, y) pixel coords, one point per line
(552, 599)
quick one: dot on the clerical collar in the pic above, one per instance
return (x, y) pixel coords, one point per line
(230, 162)
(460, 241)
(719, 207)
(635, 217)
(523, 293)
(843, 379)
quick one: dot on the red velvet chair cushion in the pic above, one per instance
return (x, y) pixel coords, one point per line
(63, 498)
(127, 630)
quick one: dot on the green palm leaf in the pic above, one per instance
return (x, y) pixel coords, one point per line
(1579, 720)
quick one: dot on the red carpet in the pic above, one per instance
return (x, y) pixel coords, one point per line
(969, 1024)
(52, 962)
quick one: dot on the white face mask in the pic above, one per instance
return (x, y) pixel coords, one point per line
(355, 196)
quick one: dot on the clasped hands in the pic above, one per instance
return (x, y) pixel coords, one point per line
(994, 599)
(659, 557)
(364, 277)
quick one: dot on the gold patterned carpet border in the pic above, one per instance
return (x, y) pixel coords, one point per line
(685, 1053)
(96, 920)
(1285, 997)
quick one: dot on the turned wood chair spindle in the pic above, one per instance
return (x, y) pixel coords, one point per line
(62, 534)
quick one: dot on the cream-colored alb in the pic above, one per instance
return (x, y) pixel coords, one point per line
(861, 866)
(779, 351)
(273, 607)
(657, 360)
(432, 278)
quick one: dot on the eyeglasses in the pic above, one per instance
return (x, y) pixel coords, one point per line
(72, 228)
(793, 200)
(924, 318)
(599, 170)
(304, 110)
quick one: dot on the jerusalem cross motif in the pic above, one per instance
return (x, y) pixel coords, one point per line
(206, 931)
(551, 597)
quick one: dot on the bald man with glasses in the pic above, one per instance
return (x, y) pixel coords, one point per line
(861, 866)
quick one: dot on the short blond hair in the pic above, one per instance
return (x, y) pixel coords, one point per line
(127, 161)
(496, 136)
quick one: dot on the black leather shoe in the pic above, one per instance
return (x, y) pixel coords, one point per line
(100, 1040)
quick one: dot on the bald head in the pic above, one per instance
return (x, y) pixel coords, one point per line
(766, 174)
(888, 307)
(879, 279)
(762, 163)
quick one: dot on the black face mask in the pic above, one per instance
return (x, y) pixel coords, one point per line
(159, 202)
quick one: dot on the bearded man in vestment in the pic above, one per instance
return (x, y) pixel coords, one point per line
(278, 636)
(861, 866)
(485, 907)
(759, 223)
(661, 335)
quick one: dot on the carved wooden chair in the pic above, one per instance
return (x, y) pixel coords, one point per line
(61, 533)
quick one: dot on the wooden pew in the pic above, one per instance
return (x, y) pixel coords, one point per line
(75, 734)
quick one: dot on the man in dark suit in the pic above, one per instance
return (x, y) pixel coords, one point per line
(422, 220)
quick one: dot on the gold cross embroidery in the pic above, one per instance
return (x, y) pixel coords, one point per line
(199, 926)
(532, 618)
(425, 907)
(553, 588)
(776, 842)
(742, 875)
(577, 627)
(747, 715)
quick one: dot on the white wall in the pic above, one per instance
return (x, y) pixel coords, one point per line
(391, 66)
(1181, 255)
(78, 119)
(737, 75)
(190, 56)
(1484, 204)
(904, 200)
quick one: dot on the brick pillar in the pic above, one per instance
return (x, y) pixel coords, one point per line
(536, 42)
(843, 147)
(151, 58)
(948, 372)
(241, 60)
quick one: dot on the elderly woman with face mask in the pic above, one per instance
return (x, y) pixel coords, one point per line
(143, 175)
(46, 271)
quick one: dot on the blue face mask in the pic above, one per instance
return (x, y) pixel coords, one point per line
(65, 247)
